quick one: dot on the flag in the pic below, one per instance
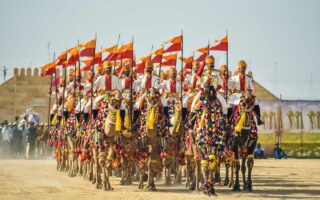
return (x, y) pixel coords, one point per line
(175, 40)
(89, 48)
(98, 58)
(48, 72)
(222, 44)
(125, 51)
(174, 47)
(74, 56)
(48, 66)
(88, 64)
(112, 49)
(170, 60)
(202, 57)
(142, 63)
(61, 58)
(188, 62)
(203, 49)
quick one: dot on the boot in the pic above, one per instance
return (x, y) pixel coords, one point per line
(256, 109)
(229, 114)
(95, 114)
(66, 114)
(166, 113)
(122, 115)
(78, 117)
(184, 114)
(86, 117)
(51, 117)
(136, 114)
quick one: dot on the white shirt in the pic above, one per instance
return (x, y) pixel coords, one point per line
(141, 82)
(166, 86)
(100, 83)
(235, 83)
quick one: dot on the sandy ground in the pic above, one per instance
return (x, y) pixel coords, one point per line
(273, 179)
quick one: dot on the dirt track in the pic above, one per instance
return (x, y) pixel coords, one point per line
(273, 179)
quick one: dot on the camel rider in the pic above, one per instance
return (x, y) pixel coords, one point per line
(171, 91)
(57, 107)
(213, 77)
(85, 93)
(225, 81)
(125, 88)
(192, 81)
(69, 94)
(241, 83)
(104, 84)
(146, 82)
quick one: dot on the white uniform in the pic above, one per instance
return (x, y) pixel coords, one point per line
(125, 88)
(100, 84)
(235, 86)
(84, 91)
(145, 83)
(193, 81)
(166, 87)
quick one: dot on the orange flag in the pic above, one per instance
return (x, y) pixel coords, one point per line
(175, 40)
(48, 66)
(203, 49)
(88, 45)
(112, 49)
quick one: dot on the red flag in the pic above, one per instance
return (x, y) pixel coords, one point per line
(87, 52)
(48, 72)
(202, 57)
(61, 58)
(175, 40)
(174, 47)
(169, 63)
(157, 59)
(222, 45)
(98, 58)
(88, 66)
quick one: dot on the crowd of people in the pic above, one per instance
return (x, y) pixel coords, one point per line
(22, 140)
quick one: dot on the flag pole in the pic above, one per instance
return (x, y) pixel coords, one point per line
(181, 73)
(160, 65)
(80, 97)
(227, 64)
(115, 61)
(50, 91)
(131, 88)
(92, 77)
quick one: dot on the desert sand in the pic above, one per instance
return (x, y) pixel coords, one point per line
(272, 179)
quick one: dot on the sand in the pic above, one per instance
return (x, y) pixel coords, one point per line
(272, 179)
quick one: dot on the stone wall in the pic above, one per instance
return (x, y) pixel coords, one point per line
(25, 89)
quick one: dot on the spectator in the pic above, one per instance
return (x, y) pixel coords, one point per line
(259, 152)
(31, 137)
(5, 139)
(23, 129)
(278, 152)
(16, 143)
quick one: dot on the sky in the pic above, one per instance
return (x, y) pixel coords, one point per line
(279, 39)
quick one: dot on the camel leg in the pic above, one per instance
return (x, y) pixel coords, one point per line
(217, 176)
(188, 178)
(197, 177)
(226, 180)
(243, 170)
(231, 184)
(250, 163)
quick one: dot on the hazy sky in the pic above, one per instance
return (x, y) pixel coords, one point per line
(278, 38)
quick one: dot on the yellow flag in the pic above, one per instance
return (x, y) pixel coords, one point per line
(118, 121)
(239, 125)
(151, 119)
(54, 120)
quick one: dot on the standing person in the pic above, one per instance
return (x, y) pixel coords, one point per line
(5, 139)
(4, 73)
(32, 136)
(16, 141)
(23, 129)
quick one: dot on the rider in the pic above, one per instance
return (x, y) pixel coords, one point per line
(171, 90)
(239, 84)
(104, 84)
